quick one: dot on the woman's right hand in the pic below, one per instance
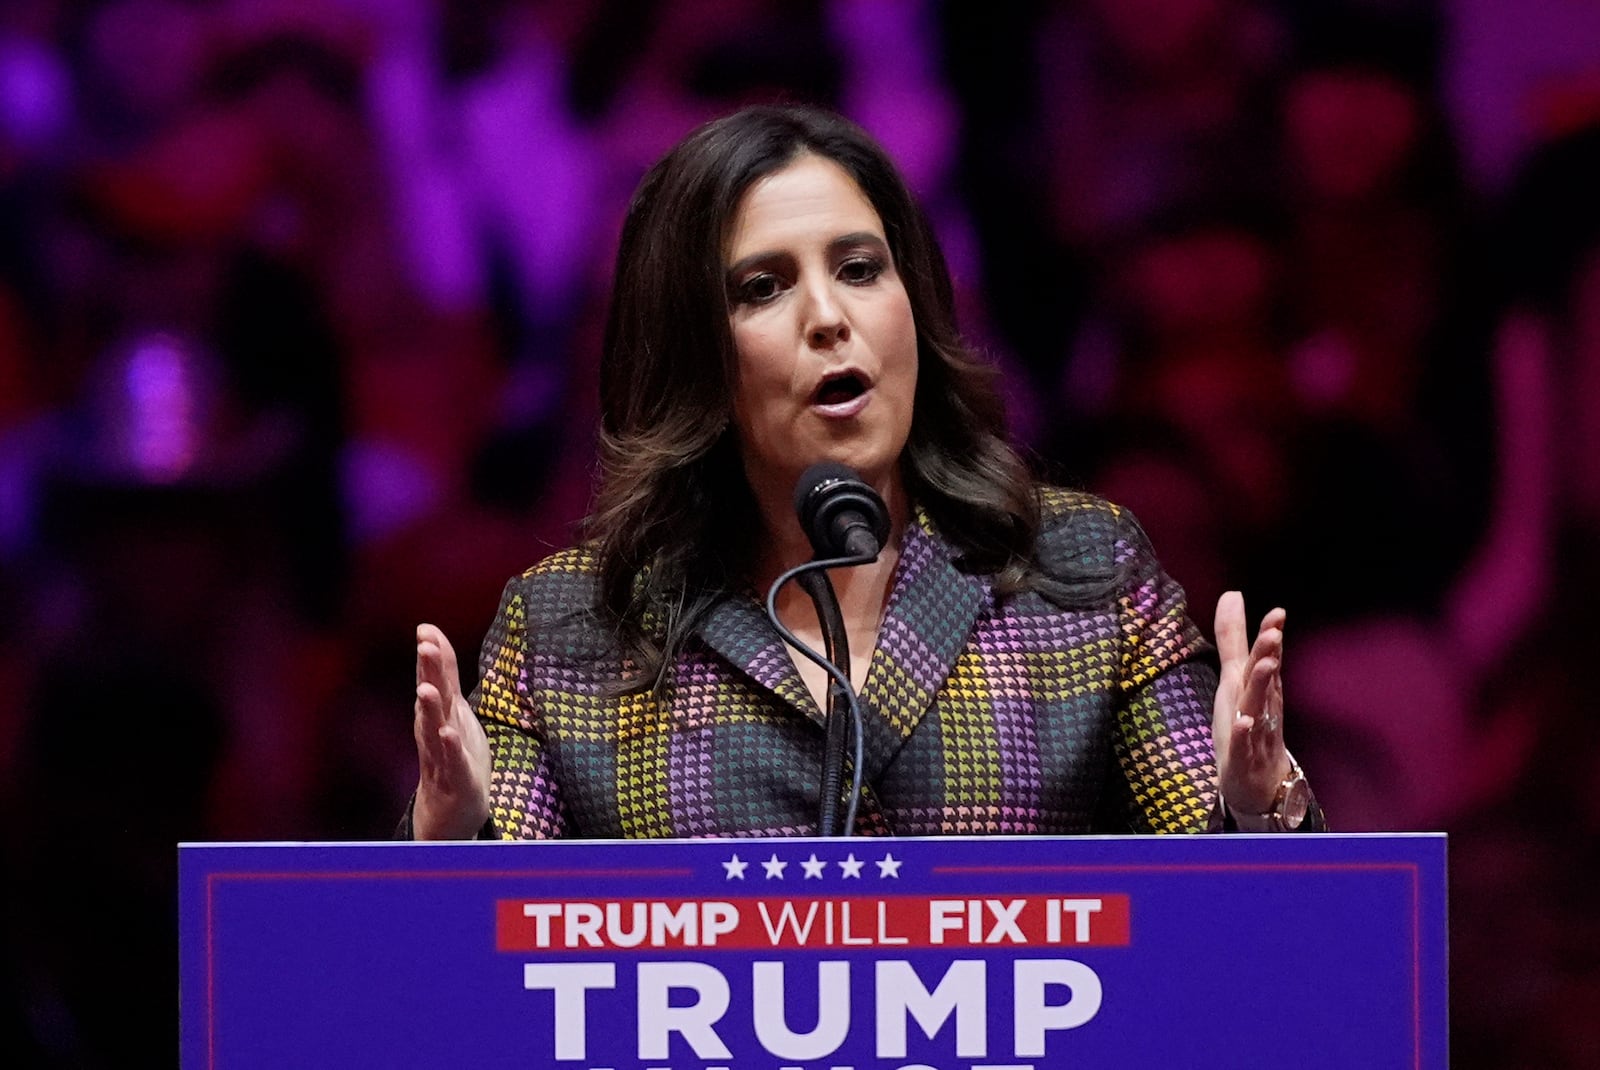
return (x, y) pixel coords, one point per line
(452, 751)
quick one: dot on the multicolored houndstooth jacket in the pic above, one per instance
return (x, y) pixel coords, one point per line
(984, 715)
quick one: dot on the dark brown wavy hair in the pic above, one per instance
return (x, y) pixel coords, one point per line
(674, 519)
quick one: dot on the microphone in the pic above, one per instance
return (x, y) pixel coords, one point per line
(840, 513)
(847, 523)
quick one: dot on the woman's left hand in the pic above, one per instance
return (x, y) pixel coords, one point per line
(1247, 718)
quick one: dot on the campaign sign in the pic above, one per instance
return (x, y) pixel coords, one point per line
(966, 953)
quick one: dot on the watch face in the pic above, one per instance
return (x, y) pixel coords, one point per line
(1296, 802)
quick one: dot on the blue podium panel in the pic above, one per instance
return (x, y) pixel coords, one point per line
(870, 954)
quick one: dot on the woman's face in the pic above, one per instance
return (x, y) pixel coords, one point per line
(826, 344)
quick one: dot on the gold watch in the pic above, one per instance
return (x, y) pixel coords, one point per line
(1293, 801)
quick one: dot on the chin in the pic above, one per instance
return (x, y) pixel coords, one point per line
(879, 468)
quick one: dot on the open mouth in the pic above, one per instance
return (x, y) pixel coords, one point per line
(840, 389)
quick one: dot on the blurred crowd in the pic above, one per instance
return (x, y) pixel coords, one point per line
(300, 305)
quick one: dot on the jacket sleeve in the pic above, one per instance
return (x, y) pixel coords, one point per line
(1166, 769)
(525, 799)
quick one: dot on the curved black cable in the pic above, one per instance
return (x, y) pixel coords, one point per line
(838, 680)
(836, 648)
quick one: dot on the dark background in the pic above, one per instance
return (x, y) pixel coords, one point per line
(299, 316)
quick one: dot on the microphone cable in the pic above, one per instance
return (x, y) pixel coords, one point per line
(838, 680)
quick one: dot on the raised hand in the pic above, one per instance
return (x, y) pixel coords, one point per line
(452, 751)
(1247, 717)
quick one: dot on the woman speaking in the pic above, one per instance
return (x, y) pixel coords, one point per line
(780, 300)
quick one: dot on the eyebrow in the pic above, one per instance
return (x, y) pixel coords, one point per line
(843, 241)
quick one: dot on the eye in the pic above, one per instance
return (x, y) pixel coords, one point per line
(861, 269)
(758, 289)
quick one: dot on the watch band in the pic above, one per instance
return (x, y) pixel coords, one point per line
(1278, 818)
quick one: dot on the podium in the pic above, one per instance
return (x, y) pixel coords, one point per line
(957, 953)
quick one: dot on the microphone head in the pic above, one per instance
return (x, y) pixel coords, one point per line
(833, 502)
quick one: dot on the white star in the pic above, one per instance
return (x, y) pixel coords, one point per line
(774, 867)
(851, 866)
(889, 866)
(735, 867)
(813, 866)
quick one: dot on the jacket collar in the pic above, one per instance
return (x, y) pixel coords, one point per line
(928, 620)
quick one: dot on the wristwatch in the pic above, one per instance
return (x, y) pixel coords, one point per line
(1293, 800)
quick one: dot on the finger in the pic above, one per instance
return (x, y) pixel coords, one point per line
(1261, 696)
(1241, 745)
(1278, 618)
(1230, 627)
(1255, 727)
(436, 662)
(432, 707)
(1274, 619)
(430, 711)
(1275, 702)
(430, 724)
(1268, 644)
(427, 643)
(1232, 648)
(430, 668)
(450, 670)
(1253, 697)
(1250, 690)
(1260, 744)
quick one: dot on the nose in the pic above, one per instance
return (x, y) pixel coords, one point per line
(826, 324)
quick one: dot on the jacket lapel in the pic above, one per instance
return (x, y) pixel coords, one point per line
(927, 623)
(737, 628)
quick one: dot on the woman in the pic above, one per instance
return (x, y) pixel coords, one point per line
(779, 299)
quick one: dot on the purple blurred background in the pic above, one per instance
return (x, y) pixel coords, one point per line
(299, 315)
